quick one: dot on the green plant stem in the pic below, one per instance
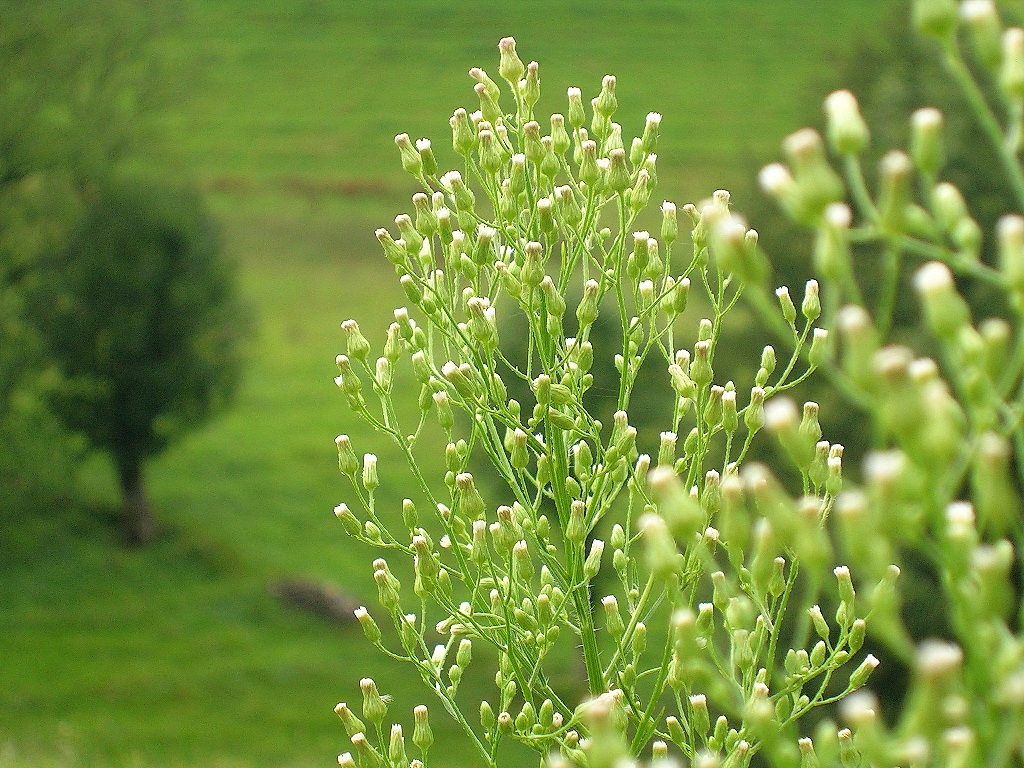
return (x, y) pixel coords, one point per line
(986, 120)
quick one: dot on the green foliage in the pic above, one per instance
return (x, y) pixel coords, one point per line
(140, 312)
(761, 595)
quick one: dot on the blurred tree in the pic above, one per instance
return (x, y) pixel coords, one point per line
(79, 80)
(141, 313)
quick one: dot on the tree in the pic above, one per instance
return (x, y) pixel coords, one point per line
(141, 313)
(74, 105)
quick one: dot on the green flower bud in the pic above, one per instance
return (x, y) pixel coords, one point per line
(1011, 74)
(422, 736)
(895, 176)
(985, 30)
(396, 747)
(811, 306)
(926, 140)
(521, 561)
(847, 132)
(370, 479)
(649, 140)
(411, 161)
(530, 87)
(675, 731)
(613, 619)
(560, 141)
(394, 251)
(1010, 233)
(814, 184)
(861, 674)
(577, 115)
(592, 565)
(753, 416)
(347, 461)
(348, 519)
(680, 511)
(735, 248)
(832, 244)
(353, 724)
(489, 107)
(519, 456)
(486, 715)
(662, 557)
(618, 174)
(786, 303)
(589, 172)
(358, 346)
(554, 301)
(510, 66)
(713, 409)
(819, 623)
(700, 370)
(944, 308)
(669, 223)
(375, 706)
(412, 239)
(348, 381)
(576, 531)
(606, 103)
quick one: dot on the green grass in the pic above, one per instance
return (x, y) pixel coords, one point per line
(176, 655)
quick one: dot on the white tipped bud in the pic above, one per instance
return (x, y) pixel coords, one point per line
(775, 179)
(847, 131)
(1011, 74)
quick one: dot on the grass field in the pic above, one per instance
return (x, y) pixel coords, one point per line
(176, 655)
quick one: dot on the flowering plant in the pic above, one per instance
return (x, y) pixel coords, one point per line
(727, 609)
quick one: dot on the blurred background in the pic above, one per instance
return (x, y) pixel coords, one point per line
(215, 634)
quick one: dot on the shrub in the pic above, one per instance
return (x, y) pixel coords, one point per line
(735, 609)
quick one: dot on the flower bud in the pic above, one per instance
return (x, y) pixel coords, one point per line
(786, 304)
(926, 140)
(700, 370)
(832, 243)
(353, 724)
(592, 565)
(1011, 74)
(349, 520)
(375, 706)
(662, 557)
(606, 103)
(396, 746)
(982, 21)
(510, 66)
(613, 618)
(618, 174)
(847, 131)
(577, 115)
(347, 461)
(649, 140)
(944, 308)
(422, 736)
(811, 306)
(370, 479)
(895, 175)
(411, 160)
(1010, 233)
(681, 512)
(816, 184)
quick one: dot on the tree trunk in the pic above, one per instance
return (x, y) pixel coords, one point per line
(138, 524)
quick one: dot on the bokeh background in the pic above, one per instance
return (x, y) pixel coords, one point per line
(182, 652)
